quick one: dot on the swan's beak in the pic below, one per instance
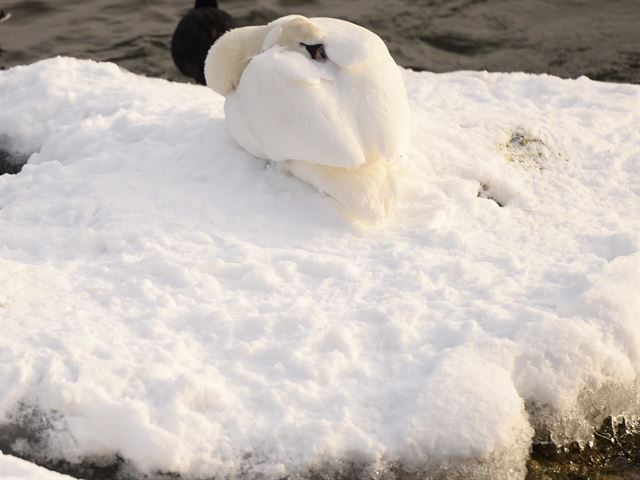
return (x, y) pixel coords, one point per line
(316, 51)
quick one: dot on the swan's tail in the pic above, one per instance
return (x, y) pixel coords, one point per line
(368, 192)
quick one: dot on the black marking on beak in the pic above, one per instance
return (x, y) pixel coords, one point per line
(315, 51)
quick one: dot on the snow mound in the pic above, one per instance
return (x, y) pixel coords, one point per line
(172, 300)
(12, 468)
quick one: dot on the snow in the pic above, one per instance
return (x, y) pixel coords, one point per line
(170, 299)
(12, 468)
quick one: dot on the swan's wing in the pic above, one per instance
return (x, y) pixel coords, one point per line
(382, 112)
(378, 97)
(293, 107)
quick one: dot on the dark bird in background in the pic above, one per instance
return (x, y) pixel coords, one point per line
(194, 35)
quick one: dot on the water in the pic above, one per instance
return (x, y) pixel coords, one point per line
(569, 38)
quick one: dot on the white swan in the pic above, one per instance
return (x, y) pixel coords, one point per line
(322, 98)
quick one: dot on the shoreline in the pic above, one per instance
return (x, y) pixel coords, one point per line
(613, 454)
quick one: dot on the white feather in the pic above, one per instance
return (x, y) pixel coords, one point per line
(338, 124)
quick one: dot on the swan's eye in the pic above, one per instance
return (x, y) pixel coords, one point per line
(315, 51)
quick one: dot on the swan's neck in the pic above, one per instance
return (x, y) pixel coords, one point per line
(229, 56)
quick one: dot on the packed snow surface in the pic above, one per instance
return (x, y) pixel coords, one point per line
(171, 299)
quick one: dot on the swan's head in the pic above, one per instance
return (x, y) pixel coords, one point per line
(231, 53)
(301, 35)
